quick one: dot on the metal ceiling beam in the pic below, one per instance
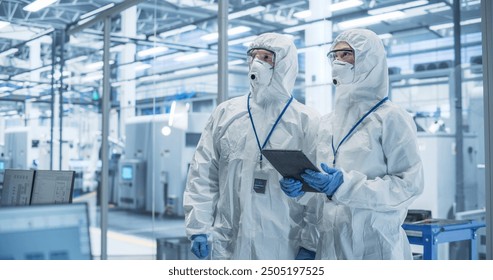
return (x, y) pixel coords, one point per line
(104, 14)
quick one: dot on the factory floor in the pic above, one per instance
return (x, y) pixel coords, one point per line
(131, 235)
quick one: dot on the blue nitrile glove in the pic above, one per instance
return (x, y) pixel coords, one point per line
(305, 254)
(291, 187)
(326, 183)
(200, 248)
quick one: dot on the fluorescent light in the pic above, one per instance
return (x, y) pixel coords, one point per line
(94, 65)
(191, 56)
(152, 51)
(172, 113)
(236, 62)
(451, 24)
(303, 14)
(38, 5)
(238, 30)
(142, 66)
(5, 88)
(397, 7)
(385, 36)
(9, 52)
(178, 31)
(4, 24)
(246, 12)
(345, 5)
(233, 31)
(471, 3)
(439, 9)
(92, 77)
(296, 28)
(248, 39)
(98, 10)
(470, 21)
(442, 26)
(187, 71)
(370, 20)
(75, 60)
(97, 65)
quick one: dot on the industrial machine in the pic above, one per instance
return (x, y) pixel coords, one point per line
(167, 150)
(131, 193)
(438, 154)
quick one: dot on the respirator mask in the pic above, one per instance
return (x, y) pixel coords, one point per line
(342, 72)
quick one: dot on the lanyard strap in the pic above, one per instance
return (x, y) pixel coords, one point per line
(353, 128)
(273, 127)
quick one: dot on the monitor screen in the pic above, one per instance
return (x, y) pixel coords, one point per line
(127, 172)
(2, 165)
(52, 187)
(45, 232)
(17, 186)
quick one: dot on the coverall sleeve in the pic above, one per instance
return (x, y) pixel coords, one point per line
(404, 179)
(202, 187)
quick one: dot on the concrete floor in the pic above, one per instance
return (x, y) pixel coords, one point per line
(131, 235)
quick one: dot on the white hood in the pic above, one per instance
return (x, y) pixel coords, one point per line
(370, 83)
(285, 68)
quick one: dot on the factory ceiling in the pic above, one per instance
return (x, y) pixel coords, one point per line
(179, 27)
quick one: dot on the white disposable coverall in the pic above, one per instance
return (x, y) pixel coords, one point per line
(380, 162)
(219, 199)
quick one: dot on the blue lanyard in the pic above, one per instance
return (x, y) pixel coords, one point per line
(273, 127)
(353, 128)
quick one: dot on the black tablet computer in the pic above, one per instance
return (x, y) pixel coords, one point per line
(290, 163)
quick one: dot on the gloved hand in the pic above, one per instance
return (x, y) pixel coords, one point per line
(305, 254)
(326, 183)
(200, 248)
(291, 187)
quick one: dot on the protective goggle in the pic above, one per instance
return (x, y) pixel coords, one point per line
(262, 54)
(341, 54)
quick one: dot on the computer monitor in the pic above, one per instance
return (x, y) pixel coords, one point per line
(127, 172)
(17, 187)
(2, 165)
(45, 232)
(52, 187)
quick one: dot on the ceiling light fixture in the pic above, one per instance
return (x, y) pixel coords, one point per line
(9, 52)
(384, 36)
(4, 24)
(296, 28)
(38, 5)
(345, 5)
(451, 24)
(397, 7)
(370, 20)
(191, 56)
(233, 31)
(303, 14)
(178, 31)
(236, 62)
(152, 51)
(248, 39)
(246, 12)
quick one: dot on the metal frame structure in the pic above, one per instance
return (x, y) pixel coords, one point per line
(487, 31)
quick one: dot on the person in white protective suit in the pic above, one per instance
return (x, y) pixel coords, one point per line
(234, 206)
(367, 148)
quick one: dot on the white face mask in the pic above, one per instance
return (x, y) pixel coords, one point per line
(260, 74)
(342, 72)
